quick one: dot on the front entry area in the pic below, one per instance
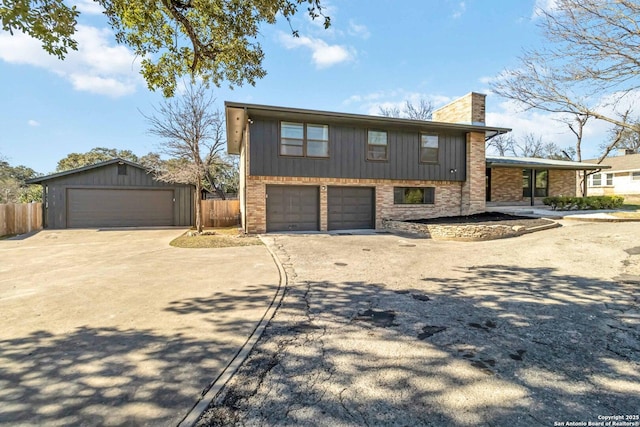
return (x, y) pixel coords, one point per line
(351, 208)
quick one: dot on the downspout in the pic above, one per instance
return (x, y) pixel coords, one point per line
(246, 170)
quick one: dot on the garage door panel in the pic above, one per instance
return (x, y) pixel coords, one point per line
(119, 208)
(350, 208)
(292, 208)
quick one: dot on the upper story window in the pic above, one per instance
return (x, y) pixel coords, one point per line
(377, 145)
(635, 176)
(429, 148)
(304, 139)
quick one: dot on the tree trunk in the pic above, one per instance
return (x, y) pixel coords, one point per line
(198, 206)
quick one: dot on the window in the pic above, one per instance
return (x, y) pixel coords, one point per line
(635, 176)
(540, 183)
(300, 139)
(413, 195)
(609, 178)
(428, 148)
(377, 145)
(122, 169)
(596, 179)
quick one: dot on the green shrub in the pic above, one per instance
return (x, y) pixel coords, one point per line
(581, 203)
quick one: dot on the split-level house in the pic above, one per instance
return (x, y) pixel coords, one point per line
(306, 170)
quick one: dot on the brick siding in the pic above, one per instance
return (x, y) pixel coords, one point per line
(506, 185)
(470, 109)
(562, 183)
(447, 198)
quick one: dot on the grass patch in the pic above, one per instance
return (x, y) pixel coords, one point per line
(627, 214)
(216, 238)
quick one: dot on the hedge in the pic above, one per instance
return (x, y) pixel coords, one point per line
(580, 203)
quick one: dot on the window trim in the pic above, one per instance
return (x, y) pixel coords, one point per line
(426, 191)
(593, 179)
(304, 140)
(608, 177)
(386, 146)
(437, 159)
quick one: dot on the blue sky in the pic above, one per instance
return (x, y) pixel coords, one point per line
(376, 53)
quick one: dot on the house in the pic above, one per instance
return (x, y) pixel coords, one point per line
(526, 180)
(304, 170)
(114, 193)
(622, 176)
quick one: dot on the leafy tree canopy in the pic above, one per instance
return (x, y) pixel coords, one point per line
(95, 155)
(213, 40)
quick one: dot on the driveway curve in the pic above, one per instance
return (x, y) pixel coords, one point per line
(111, 327)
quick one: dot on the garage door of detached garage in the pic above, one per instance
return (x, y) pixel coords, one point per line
(351, 208)
(87, 208)
(293, 208)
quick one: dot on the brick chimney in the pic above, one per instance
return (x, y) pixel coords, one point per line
(468, 110)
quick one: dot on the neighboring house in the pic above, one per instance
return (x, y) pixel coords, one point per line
(115, 193)
(527, 180)
(308, 170)
(622, 176)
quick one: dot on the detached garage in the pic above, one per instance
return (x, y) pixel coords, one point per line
(115, 193)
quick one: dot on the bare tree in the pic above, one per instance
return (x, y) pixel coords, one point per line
(190, 130)
(502, 144)
(529, 146)
(421, 111)
(593, 54)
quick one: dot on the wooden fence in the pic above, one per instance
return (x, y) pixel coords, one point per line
(20, 218)
(220, 213)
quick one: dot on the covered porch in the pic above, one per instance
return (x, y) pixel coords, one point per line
(526, 181)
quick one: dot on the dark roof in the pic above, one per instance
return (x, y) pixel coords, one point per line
(536, 163)
(625, 163)
(238, 113)
(41, 179)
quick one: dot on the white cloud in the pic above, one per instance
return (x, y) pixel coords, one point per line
(461, 9)
(543, 5)
(358, 30)
(323, 54)
(549, 127)
(98, 66)
(397, 98)
(33, 123)
(89, 7)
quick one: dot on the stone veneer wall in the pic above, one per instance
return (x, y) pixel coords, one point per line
(506, 185)
(562, 183)
(464, 232)
(447, 198)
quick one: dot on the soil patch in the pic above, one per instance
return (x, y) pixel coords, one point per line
(486, 218)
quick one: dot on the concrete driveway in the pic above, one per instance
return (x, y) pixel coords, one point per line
(387, 330)
(111, 327)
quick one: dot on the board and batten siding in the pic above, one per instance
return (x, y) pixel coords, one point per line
(107, 178)
(348, 155)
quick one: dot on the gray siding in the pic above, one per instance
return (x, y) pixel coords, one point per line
(107, 177)
(347, 155)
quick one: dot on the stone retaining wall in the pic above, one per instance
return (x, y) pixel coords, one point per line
(463, 232)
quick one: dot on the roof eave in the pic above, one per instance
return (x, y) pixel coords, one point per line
(42, 179)
(256, 108)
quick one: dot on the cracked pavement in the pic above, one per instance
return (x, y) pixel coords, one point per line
(388, 330)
